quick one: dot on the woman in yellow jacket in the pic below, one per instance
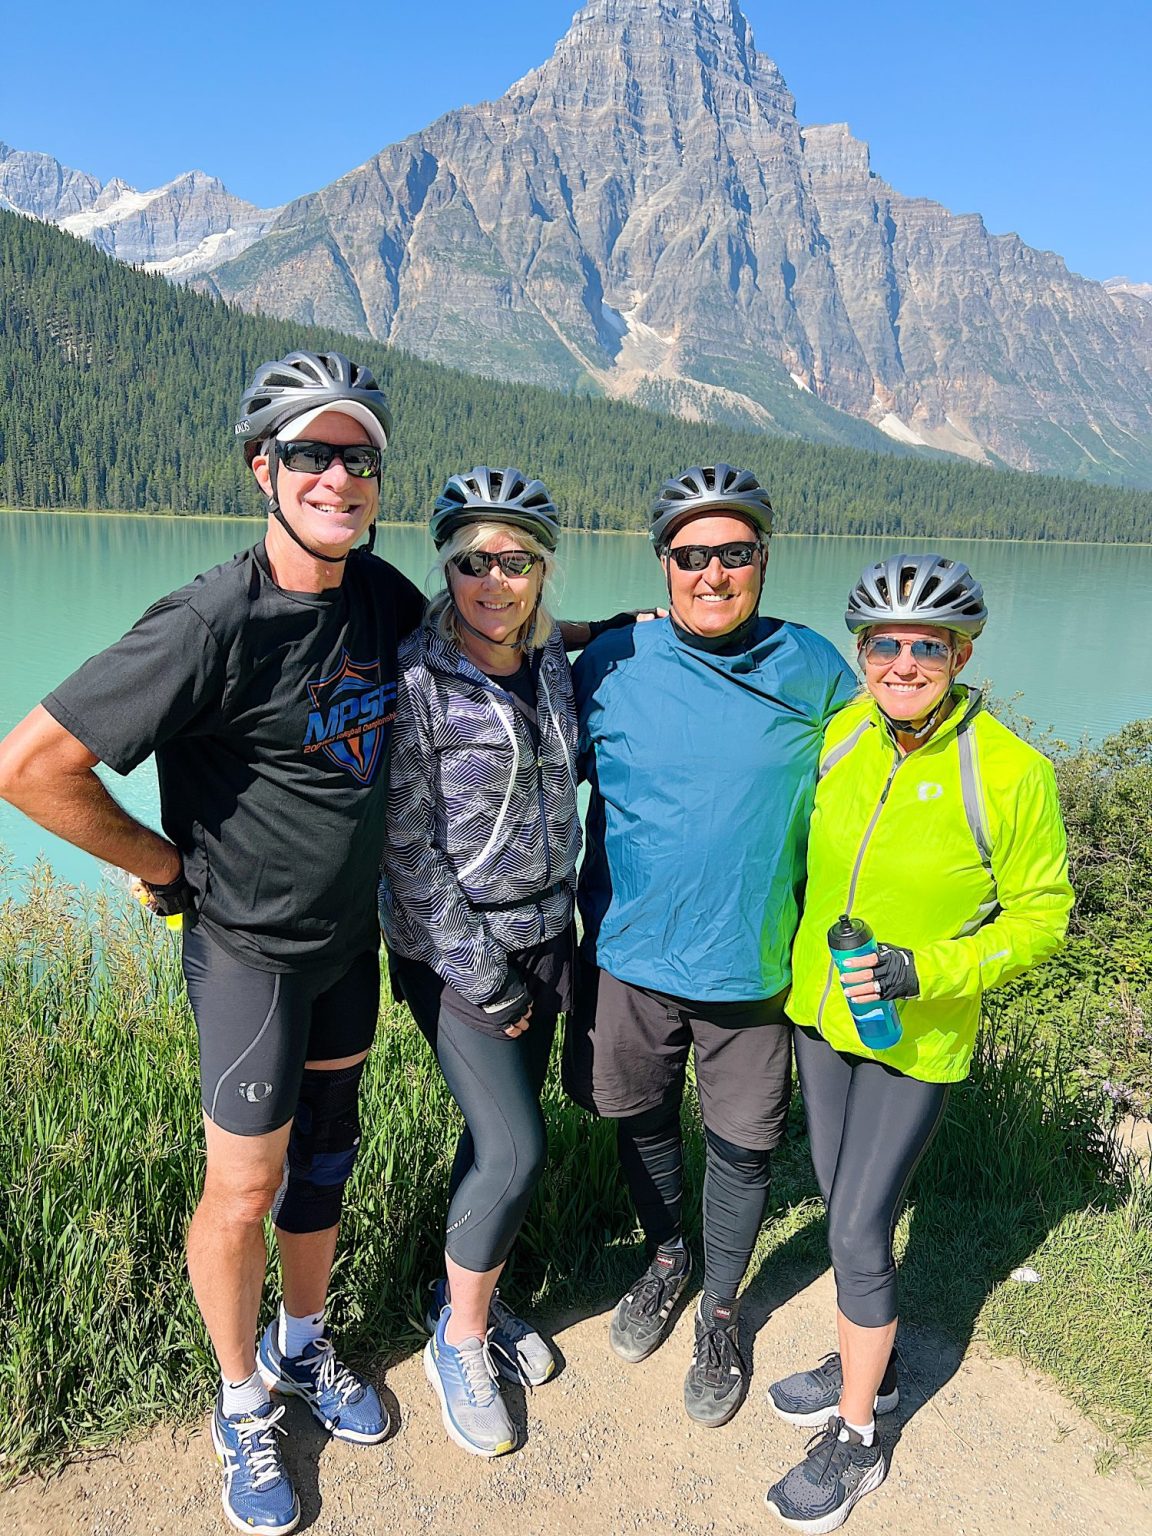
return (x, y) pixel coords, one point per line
(941, 831)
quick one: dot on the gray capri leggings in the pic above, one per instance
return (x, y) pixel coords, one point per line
(496, 1082)
(869, 1126)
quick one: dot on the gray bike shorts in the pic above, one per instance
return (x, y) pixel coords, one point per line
(626, 1051)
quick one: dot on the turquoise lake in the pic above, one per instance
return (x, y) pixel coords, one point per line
(1065, 642)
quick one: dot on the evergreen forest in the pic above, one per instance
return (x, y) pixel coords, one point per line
(118, 391)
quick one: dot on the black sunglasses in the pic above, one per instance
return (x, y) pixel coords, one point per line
(361, 460)
(697, 557)
(513, 562)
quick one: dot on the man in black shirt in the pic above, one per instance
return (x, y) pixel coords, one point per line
(266, 689)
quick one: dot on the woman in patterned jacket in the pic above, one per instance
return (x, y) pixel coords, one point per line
(477, 901)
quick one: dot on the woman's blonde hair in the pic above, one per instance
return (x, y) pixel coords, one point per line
(441, 615)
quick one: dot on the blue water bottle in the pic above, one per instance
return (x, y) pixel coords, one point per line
(877, 1024)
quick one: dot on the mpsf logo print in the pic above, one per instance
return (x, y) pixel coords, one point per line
(350, 708)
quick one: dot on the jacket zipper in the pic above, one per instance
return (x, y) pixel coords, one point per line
(487, 684)
(854, 881)
(543, 686)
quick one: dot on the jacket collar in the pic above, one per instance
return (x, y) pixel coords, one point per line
(446, 657)
(969, 703)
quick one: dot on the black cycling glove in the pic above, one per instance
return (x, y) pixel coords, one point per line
(596, 627)
(172, 900)
(895, 973)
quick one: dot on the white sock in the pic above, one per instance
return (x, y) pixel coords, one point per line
(296, 1333)
(243, 1396)
(867, 1432)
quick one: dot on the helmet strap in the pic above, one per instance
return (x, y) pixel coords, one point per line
(524, 635)
(274, 509)
(734, 636)
(932, 719)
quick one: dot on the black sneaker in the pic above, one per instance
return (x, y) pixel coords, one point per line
(819, 1493)
(643, 1317)
(717, 1379)
(808, 1397)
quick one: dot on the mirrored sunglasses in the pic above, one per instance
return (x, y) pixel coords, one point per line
(886, 648)
(513, 562)
(697, 557)
(361, 460)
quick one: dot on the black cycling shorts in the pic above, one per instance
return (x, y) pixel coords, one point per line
(258, 1028)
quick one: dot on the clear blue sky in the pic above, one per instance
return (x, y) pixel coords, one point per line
(1038, 116)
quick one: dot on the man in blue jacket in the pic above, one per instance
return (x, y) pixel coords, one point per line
(700, 735)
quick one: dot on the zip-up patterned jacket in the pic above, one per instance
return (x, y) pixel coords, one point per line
(955, 851)
(482, 829)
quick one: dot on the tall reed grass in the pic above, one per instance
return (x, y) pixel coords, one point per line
(100, 1157)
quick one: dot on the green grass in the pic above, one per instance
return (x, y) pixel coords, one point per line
(100, 1145)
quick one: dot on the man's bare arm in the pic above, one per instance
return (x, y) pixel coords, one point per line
(46, 773)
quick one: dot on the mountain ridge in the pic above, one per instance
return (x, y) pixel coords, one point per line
(179, 229)
(644, 216)
(122, 387)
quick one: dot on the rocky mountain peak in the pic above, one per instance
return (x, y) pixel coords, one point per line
(181, 228)
(643, 215)
(642, 56)
(831, 150)
(35, 183)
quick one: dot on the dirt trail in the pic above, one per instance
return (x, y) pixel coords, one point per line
(993, 1449)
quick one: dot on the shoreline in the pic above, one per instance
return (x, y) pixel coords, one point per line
(627, 533)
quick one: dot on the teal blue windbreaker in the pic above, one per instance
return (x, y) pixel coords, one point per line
(703, 770)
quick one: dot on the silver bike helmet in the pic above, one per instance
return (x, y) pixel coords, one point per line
(309, 383)
(918, 589)
(704, 491)
(499, 496)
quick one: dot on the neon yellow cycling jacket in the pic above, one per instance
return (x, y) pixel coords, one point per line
(955, 851)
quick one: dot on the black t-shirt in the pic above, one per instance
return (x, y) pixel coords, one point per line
(521, 685)
(270, 715)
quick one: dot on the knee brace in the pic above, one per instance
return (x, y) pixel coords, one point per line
(322, 1150)
(744, 1165)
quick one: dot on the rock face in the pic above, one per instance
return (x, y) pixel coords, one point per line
(37, 184)
(976, 341)
(179, 229)
(644, 214)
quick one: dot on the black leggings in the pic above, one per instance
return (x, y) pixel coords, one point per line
(496, 1082)
(736, 1181)
(869, 1126)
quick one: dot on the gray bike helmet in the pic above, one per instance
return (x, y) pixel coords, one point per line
(704, 491)
(918, 589)
(499, 496)
(308, 382)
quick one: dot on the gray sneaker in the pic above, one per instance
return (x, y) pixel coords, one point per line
(818, 1494)
(808, 1397)
(717, 1379)
(643, 1316)
(518, 1351)
(464, 1379)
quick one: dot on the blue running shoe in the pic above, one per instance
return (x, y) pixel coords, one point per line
(464, 1379)
(342, 1401)
(519, 1353)
(257, 1496)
